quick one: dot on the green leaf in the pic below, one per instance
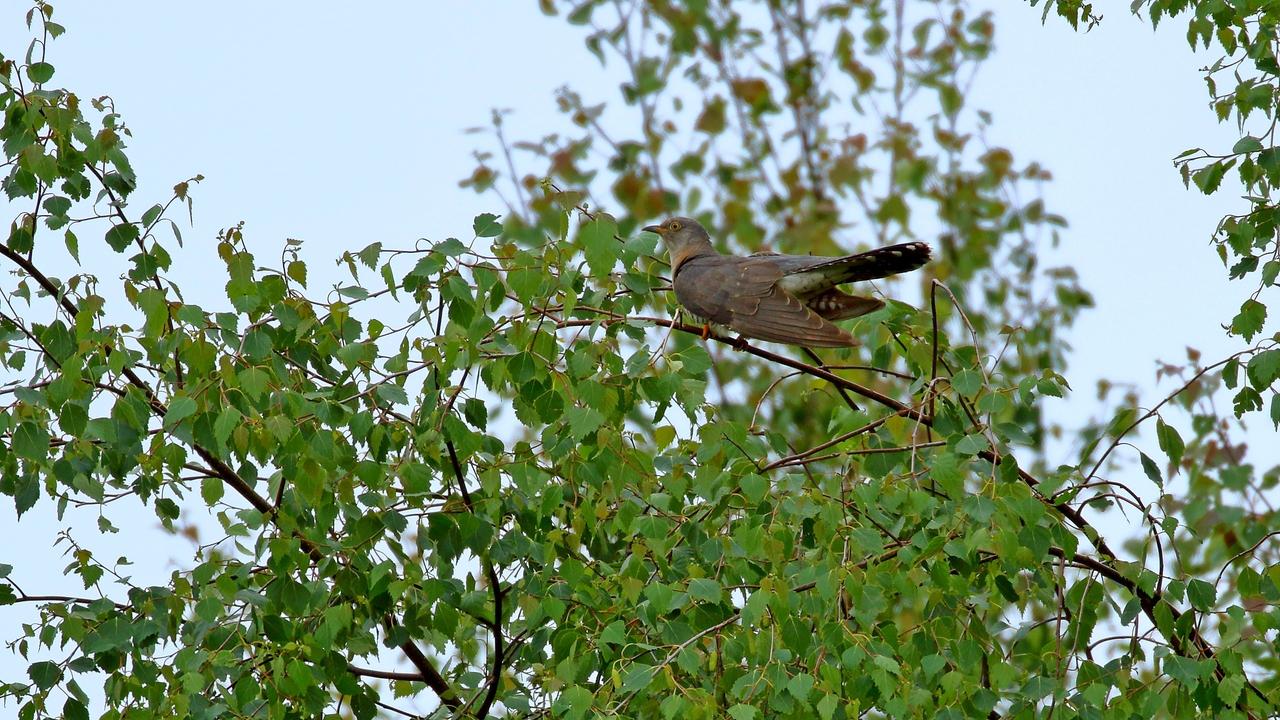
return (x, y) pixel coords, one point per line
(1170, 442)
(40, 72)
(74, 709)
(525, 282)
(931, 664)
(827, 707)
(1185, 670)
(120, 236)
(574, 703)
(1152, 471)
(1263, 369)
(297, 271)
(743, 712)
(253, 381)
(1201, 594)
(1229, 688)
(392, 393)
(20, 238)
(599, 244)
(73, 244)
(638, 678)
(583, 421)
(705, 589)
(211, 490)
(370, 254)
(754, 487)
(1250, 319)
(1270, 271)
(487, 225)
(180, 408)
(44, 674)
(799, 686)
(967, 382)
(1247, 144)
(1210, 177)
(57, 205)
(31, 441)
(971, 445)
(228, 420)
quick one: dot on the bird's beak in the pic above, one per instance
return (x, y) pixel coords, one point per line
(656, 229)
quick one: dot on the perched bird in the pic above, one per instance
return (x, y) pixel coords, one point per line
(789, 299)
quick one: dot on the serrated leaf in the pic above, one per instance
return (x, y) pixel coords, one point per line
(827, 707)
(392, 393)
(370, 254)
(1263, 369)
(120, 236)
(211, 490)
(1229, 689)
(583, 421)
(1247, 144)
(524, 282)
(180, 408)
(73, 244)
(967, 382)
(1170, 442)
(1248, 322)
(487, 225)
(44, 674)
(1185, 670)
(705, 589)
(297, 271)
(31, 441)
(599, 245)
(1210, 177)
(228, 420)
(754, 487)
(1152, 470)
(40, 72)
(1202, 595)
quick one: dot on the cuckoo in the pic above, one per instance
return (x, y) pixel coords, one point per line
(790, 299)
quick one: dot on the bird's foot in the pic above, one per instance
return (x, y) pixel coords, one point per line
(740, 343)
(706, 331)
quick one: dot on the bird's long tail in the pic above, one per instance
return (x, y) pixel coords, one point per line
(878, 263)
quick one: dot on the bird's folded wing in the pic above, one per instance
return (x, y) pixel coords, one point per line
(762, 310)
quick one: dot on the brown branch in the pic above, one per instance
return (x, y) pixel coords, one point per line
(383, 674)
(1155, 410)
(495, 673)
(833, 441)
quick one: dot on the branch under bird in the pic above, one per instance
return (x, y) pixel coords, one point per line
(790, 299)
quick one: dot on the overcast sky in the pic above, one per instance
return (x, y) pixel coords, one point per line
(342, 126)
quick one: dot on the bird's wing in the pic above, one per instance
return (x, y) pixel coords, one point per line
(759, 308)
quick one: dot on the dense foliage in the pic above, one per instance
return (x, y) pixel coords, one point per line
(494, 477)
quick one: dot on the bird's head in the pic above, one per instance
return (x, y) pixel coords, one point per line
(684, 237)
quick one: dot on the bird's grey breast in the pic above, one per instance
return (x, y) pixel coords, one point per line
(706, 286)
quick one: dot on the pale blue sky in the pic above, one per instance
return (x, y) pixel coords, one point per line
(342, 126)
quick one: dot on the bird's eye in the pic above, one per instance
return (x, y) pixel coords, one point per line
(675, 225)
